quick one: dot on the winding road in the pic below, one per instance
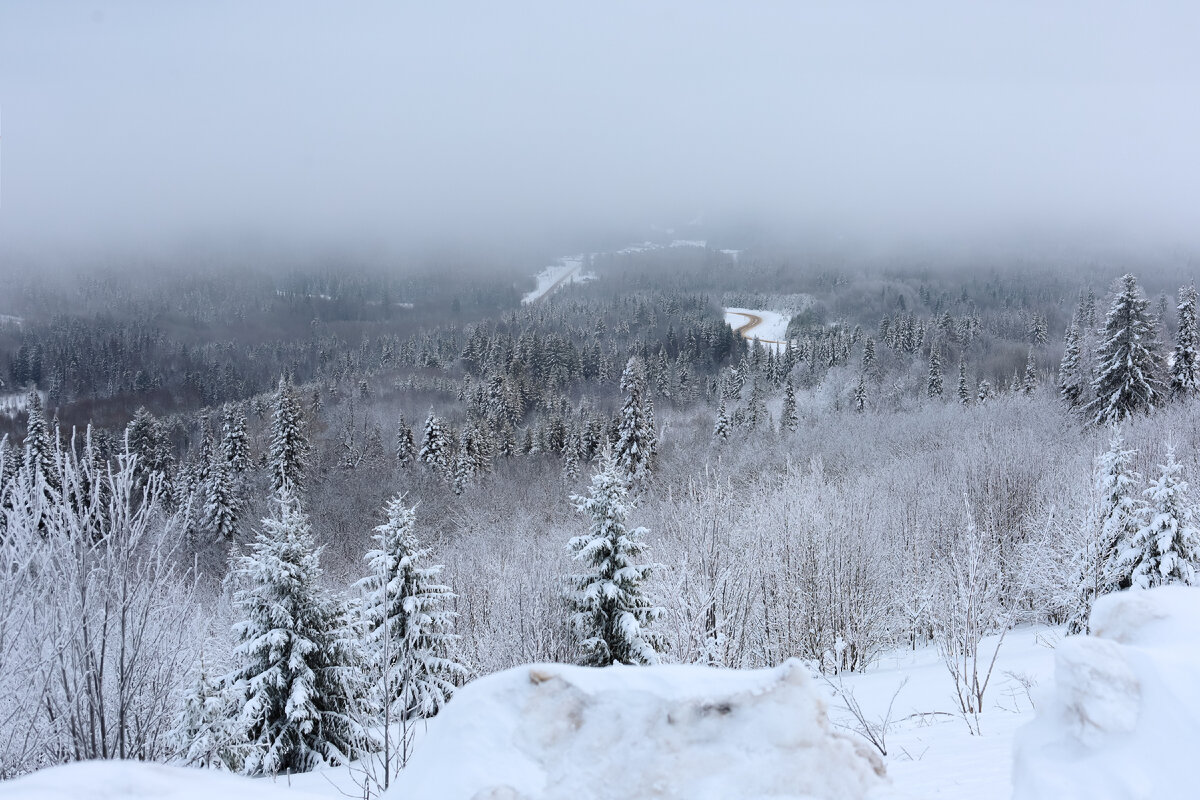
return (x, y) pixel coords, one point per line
(752, 322)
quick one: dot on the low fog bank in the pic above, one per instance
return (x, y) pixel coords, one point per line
(130, 127)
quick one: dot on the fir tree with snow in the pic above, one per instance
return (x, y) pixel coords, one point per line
(203, 731)
(222, 505)
(39, 444)
(860, 394)
(408, 627)
(406, 447)
(789, 420)
(1166, 547)
(612, 613)
(1071, 381)
(634, 448)
(464, 468)
(964, 394)
(436, 447)
(289, 441)
(756, 407)
(1184, 377)
(934, 385)
(868, 354)
(1116, 521)
(1029, 380)
(234, 445)
(721, 428)
(1128, 360)
(297, 681)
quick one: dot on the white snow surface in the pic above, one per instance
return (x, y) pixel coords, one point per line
(136, 780)
(772, 331)
(1123, 719)
(565, 271)
(556, 731)
(15, 403)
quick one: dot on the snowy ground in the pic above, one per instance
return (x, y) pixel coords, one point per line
(671, 732)
(1107, 705)
(14, 403)
(567, 270)
(931, 751)
(772, 331)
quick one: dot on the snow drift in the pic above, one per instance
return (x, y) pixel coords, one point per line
(1123, 719)
(554, 731)
(136, 780)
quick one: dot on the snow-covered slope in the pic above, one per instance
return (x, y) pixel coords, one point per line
(555, 731)
(931, 752)
(566, 270)
(1123, 720)
(134, 780)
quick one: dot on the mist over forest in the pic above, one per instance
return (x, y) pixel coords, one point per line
(398, 399)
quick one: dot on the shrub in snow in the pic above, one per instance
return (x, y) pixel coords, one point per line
(555, 731)
(1123, 718)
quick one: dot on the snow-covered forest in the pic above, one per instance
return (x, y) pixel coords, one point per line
(540, 401)
(275, 546)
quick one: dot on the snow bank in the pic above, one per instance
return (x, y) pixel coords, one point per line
(554, 731)
(136, 780)
(1123, 720)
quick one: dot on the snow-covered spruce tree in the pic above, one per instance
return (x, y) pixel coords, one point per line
(934, 386)
(788, 419)
(721, 427)
(1116, 521)
(611, 610)
(406, 447)
(1166, 547)
(39, 444)
(1071, 380)
(756, 407)
(860, 394)
(964, 394)
(297, 682)
(868, 353)
(1184, 377)
(234, 445)
(436, 446)
(1029, 380)
(407, 626)
(222, 506)
(464, 467)
(289, 442)
(1128, 360)
(633, 449)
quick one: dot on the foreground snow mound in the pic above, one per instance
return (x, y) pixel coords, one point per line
(136, 780)
(554, 731)
(1124, 717)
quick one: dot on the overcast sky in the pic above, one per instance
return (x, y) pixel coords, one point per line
(132, 123)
